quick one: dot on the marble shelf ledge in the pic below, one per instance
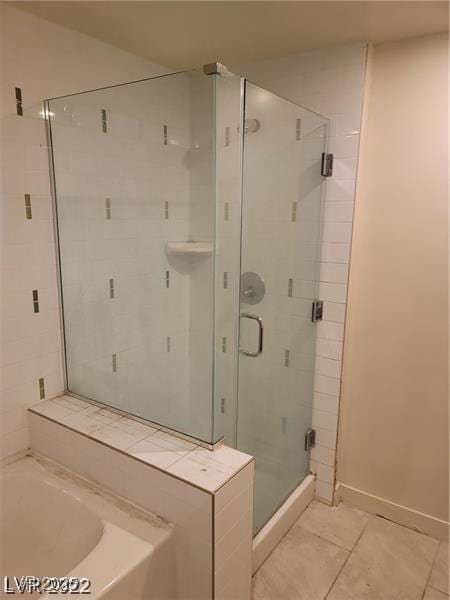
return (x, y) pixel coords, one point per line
(207, 469)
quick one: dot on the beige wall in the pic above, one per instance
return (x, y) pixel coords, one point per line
(393, 436)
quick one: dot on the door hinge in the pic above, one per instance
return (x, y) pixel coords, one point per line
(317, 311)
(327, 164)
(310, 439)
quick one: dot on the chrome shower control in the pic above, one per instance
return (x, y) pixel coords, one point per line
(253, 288)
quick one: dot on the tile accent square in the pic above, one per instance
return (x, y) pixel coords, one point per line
(19, 104)
(41, 388)
(104, 121)
(35, 301)
(28, 211)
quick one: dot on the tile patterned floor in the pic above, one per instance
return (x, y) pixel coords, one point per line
(341, 553)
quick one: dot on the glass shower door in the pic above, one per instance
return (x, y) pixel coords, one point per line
(281, 229)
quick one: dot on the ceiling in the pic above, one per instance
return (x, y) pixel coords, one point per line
(186, 34)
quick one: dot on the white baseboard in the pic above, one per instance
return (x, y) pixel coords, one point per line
(403, 515)
(273, 531)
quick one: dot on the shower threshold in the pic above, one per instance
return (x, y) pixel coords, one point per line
(270, 535)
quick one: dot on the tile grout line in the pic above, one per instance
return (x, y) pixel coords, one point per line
(430, 587)
(433, 562)
(326, 540)
(346, 560)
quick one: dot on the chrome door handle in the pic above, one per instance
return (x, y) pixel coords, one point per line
(260, 336)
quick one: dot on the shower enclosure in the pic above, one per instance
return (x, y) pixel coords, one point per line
(189, 219)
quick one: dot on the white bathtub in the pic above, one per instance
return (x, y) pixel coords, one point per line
(55, 525)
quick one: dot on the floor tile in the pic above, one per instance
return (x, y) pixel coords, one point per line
(302, 567)
(439, 579)
(431, 594)
(342, 525)
(389, 562)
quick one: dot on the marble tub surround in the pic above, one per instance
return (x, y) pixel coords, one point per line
(342, 553)
(205, 494)
(186, 460)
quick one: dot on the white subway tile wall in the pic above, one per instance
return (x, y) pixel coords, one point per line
(233, 524)
(329, 81)
(31, 356)
(31, 364)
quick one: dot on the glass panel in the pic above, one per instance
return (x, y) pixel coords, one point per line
(135, 185)
(229, 116)
(281, 225)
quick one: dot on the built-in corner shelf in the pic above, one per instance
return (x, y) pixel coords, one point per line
(189, 249)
